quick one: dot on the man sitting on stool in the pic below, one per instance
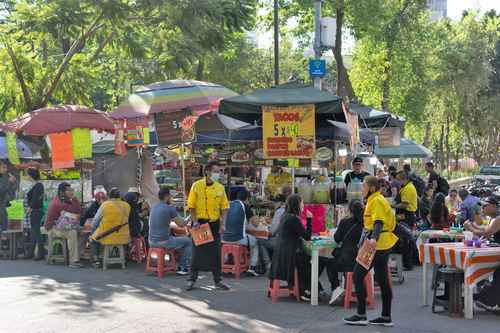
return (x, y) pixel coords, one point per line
(159, 231)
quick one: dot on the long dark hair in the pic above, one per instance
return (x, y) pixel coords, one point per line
(293, 205)
(356, 209)
(439, 208)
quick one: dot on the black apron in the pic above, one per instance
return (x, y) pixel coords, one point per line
(207, 257)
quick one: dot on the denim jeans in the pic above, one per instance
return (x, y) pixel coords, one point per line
(252, 244)
(182, 244)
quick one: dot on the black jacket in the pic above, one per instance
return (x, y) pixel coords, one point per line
(89, 212)
(289, 238)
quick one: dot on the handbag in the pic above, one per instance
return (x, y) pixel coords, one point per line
(68, 221)
(202, 235)
(342, 256)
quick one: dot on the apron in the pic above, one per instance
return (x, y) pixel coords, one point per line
(207, 257)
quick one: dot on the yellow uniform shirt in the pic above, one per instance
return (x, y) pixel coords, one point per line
(275, 183)
(408, 194)
(378, 209)
(208, 201)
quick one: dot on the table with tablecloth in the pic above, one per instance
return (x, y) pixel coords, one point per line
(426, 235)
(477, 263)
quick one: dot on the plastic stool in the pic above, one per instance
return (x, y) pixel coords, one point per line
(57, 250)
(237, 260)
(397, 270)
(155, 264)
(275, 290)
(453, 278)
(113, 254)
(350, 295)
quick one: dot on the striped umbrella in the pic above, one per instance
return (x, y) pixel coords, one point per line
(171, 96)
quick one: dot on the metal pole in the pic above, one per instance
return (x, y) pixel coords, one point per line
(183, 174)
(276, 44)
(317, 38)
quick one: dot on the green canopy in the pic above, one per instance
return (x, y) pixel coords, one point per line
(407, 148)
(247, 107)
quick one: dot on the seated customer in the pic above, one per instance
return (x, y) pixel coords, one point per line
(110, 226)
(235, 228)
(289, 246)
(159, 230)
(62, 220)
(347, 238)
(440, 217)
(100, 196)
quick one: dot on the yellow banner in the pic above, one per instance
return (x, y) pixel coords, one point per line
(289, 131)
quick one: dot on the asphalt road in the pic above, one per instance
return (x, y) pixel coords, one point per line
(35, 297)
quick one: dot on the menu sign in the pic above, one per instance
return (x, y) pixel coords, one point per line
(389, 137)
(169, 127)
(289, 131)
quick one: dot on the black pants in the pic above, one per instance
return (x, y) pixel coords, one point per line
(333, 269)
(207, 257)
(382, 277)
(303, 265)
(35, 235)
(407, 243)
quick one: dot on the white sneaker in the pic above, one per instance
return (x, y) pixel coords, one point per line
(336, 294)
(252, 271)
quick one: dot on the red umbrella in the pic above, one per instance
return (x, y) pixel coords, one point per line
(57, 119)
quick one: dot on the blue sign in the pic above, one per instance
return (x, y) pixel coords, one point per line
(317, 67)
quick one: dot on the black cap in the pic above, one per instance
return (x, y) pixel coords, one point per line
(491, 200)
(357, 160)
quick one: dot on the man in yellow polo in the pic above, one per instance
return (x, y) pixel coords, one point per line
(207, 203)
(275, 181)
(406, 207)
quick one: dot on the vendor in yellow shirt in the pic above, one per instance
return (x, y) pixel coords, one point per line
(407, 201)
(275, 181)
(207, 203)
(379, 223)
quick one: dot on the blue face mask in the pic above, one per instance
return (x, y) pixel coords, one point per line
(215, 176)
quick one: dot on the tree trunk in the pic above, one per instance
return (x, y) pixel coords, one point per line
(447, 142)
(427, 134)
(20, 78)
(200, 69)
(344, 85)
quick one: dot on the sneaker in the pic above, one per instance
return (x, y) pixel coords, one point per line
(97, 264)
(190, 285)
(76, 265)
(356, 320)
(252, 271)
(222, 286)
(381, 321)
(182, 271)
(305, 298)
(335, 295)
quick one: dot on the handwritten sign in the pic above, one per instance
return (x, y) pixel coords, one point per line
(289, 132)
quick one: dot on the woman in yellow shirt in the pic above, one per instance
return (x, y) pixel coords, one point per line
(379, 223)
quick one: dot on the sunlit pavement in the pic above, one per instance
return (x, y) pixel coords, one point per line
(35, 297)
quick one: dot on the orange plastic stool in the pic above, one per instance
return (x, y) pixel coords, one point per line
(235, 259)
(350, 295)
(154, 262)
(275, 290)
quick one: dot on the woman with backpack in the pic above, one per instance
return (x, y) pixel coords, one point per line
(344, 256)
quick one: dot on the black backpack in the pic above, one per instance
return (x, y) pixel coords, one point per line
(443, 186)
(419, 184)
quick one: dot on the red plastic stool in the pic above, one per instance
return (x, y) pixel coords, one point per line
(235, 259)
(275, 289)
(155, 264)
(350, 295)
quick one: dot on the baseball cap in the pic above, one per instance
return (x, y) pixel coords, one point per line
(357, 160)
(491, 200)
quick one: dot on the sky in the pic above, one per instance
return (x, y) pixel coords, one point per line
(456, 7)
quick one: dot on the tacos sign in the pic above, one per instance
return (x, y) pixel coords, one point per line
(288, 131)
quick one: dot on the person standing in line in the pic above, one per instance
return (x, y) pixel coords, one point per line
(7, 189)
(379, 223)
(207, 203)
(34, 209)
(160, 218)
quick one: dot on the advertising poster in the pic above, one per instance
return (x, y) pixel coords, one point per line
(289, 132)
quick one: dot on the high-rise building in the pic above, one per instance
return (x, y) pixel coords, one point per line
(438, 8)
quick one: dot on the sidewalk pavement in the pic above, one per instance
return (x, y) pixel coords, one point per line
(35, 297)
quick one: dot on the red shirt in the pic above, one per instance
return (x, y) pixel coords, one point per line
(55, 208)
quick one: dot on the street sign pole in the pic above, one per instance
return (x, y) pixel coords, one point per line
(317, 39)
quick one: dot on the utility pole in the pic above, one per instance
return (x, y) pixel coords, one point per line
(276, 43)
(317, 38)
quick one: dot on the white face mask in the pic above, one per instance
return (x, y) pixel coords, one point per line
(215, 176)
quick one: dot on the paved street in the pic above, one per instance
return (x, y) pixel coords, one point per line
(35, 297)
